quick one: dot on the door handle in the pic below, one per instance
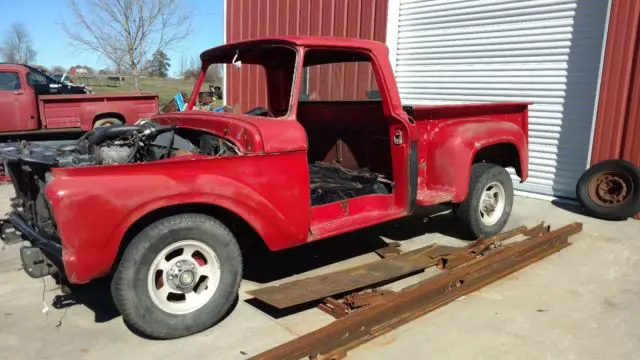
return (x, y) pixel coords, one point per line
(18, 92)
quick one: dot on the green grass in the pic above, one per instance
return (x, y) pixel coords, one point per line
(165, 88)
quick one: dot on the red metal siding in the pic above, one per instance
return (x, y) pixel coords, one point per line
(366, 19)
(617, 130)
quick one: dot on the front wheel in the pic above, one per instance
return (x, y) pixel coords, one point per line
(487, 207)
(178, 276)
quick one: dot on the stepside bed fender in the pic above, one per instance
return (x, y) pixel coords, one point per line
(453, 149)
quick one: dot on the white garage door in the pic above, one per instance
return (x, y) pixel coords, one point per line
(545, 51)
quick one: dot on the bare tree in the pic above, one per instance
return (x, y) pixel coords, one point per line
(127, 32)
(214, 74)
(17, 46)
(57, 69)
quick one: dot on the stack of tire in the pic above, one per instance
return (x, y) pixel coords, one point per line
(610, 190)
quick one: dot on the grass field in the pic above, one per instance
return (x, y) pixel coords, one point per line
(165, 88)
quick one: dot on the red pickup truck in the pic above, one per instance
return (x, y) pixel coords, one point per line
(32, 102)
(157, 205)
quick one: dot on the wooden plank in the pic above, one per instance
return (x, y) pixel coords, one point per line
(322, 286)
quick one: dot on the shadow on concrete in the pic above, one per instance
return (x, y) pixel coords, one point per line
(262, 266)
(575, 208)
(571, 207)
(96, 296)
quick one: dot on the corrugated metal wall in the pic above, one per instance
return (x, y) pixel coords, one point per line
(247, 19)
(617, 130)
(544, 51)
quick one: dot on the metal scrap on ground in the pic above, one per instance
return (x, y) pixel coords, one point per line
(367, 315)
(318, 287)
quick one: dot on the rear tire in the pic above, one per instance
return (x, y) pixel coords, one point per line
(488, 205)
(178, 276)
(107, 122)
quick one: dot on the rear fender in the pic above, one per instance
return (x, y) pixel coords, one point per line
(453, 149)
(92, 111)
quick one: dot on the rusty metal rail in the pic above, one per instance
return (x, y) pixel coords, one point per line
(389, 268)
(335, 339)
(321, 286)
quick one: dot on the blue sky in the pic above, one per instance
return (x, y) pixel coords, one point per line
(42, 20)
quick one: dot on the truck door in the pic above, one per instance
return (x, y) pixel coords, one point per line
(18, 110)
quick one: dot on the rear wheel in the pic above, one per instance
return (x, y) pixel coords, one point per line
(107, 122)
(178, 276)
(488, 205)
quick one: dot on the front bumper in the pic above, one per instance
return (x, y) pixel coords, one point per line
(14, 226)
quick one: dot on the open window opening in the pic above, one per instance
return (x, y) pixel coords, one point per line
(266, 71)
(339, 107)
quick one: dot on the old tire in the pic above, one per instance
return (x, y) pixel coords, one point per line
(107, 122)
(166, 293)
(487, 207)
(609, 190)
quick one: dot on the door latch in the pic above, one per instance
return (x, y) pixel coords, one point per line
(397, 137)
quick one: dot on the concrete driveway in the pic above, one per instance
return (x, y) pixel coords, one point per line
(581, 303)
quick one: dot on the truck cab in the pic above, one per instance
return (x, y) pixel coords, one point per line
(310, 161)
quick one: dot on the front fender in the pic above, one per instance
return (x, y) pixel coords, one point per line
(95, 207)
(453, 148)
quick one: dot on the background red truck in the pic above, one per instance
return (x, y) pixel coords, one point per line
(160, 206)
(33, 102)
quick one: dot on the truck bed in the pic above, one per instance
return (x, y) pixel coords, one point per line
(80, 111)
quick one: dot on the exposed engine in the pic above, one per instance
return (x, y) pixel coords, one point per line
(121, 144)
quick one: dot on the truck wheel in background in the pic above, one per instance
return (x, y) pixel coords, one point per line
(609, 190)
(178, 276)
(487, 207)
(107, 122)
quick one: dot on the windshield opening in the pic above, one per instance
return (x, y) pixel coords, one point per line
(266, 75)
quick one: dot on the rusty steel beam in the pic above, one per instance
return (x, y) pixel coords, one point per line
(389, 268)
(537, 230)
(319, 287)
(482, 245)
(358, 327)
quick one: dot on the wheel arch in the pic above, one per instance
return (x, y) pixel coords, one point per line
(505, 154)
(245, 233)
(107, 115)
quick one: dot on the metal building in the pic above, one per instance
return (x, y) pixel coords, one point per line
(575, 59)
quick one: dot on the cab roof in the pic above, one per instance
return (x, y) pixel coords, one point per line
(226, 52)
(13, 66)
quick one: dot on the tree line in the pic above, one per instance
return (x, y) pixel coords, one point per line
(133, 35)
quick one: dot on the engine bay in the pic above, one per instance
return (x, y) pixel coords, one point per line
(122, 144)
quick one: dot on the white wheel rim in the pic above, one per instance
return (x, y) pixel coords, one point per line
(492, 203)
(183, 277)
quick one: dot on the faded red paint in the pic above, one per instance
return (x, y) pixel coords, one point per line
(617, 128)
(268, 185)
(247, 19)
(453, 134)
(23, 111)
